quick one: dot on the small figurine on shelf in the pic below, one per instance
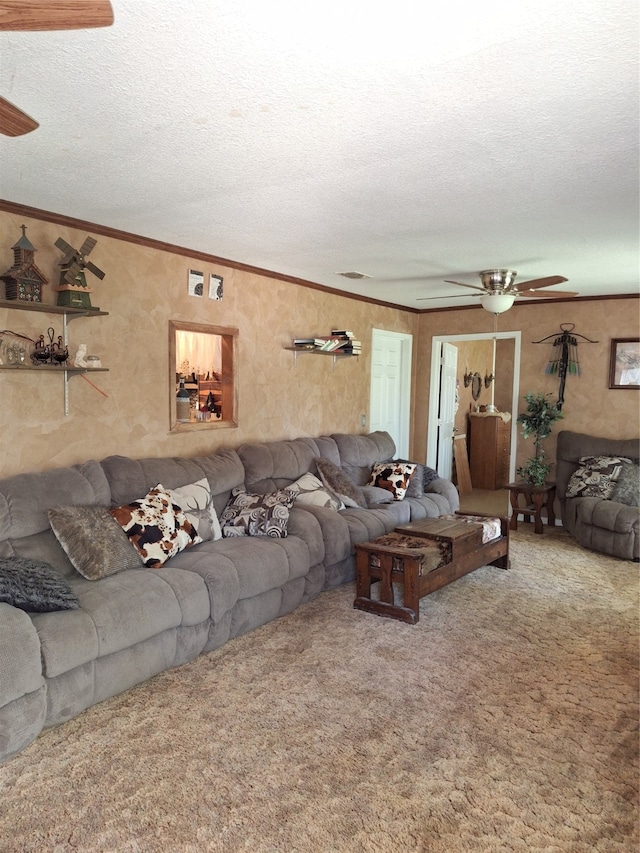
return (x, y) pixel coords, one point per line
(23, 281)
(59, 352)
(41, 351)
(80, 358)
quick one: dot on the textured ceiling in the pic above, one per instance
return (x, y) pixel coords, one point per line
(411, 141)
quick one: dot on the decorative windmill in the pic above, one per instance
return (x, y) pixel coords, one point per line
(73, 291)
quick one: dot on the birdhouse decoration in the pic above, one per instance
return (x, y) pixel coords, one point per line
(24, 281)
(73, 290)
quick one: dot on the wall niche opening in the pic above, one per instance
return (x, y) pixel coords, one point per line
(202, 363)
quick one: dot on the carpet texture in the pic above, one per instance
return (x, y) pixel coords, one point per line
(506, 720)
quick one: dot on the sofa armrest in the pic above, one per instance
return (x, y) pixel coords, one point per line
(445, 488)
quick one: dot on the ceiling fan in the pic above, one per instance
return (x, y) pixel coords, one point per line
(33, 15)
(499, 289)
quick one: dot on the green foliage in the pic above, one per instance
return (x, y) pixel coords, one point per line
(537, 421)
(535, 471)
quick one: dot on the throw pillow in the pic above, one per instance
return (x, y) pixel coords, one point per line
(596, 477)
(93, 540)
(337, 481)
(34, 586)
(375, 496)
(309, 490)
(627, 489)
(157, 528)
(422, 476)
(393, 476)
(196, 501)
(257, 515)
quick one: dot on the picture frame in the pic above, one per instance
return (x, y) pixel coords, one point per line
(624, 363)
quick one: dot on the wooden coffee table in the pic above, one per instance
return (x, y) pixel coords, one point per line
(423, 556)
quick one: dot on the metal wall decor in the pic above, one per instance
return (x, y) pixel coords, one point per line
(564, 359)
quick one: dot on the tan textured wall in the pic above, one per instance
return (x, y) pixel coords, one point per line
(590, 406)
(143, 290)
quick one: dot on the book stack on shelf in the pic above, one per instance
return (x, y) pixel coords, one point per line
(340, 342)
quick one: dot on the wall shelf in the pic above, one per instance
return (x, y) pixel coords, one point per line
(67, 313)
(303, 351)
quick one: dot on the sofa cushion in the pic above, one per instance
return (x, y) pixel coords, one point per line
(93, 540)
(34, 586)
(335, 480)
(392, 476)
(596, 477)
(247, 514)
(157, 528)
(309, 490)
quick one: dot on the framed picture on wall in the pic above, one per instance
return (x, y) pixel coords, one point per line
(624, 363)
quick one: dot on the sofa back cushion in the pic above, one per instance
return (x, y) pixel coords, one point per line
(275, 465)
(25, 500)
(131, 479)
(359, 453)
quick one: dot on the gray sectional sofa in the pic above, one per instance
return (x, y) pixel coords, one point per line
(133, 624)
(600, 516)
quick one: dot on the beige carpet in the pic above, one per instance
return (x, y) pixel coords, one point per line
(506, 720)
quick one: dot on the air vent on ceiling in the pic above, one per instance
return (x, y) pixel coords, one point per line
(354, 274)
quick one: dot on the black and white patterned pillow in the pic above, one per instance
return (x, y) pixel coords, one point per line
(34, 586)
(596, 477)
(257, 515)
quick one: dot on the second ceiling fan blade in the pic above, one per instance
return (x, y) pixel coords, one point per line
(539, 282)
(460, 284)
(552, 294)
(23, 15)
(13, 122)
(450, 296)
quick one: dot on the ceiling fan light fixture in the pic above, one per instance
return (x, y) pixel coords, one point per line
(497, 303)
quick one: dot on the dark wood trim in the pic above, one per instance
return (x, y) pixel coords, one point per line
(159, 245)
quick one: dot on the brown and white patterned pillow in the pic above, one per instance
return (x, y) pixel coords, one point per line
(392, 476)
(157, 528)
(596, 477)
(257, 515)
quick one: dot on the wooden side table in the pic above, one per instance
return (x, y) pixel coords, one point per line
(536, 498)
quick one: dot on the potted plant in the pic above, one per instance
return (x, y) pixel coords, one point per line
(537, 420)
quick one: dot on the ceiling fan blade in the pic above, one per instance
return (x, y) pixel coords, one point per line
(553, 294)
(450, 296)
(539, 282)
(13, 122)
(472, 286)
(54, 14)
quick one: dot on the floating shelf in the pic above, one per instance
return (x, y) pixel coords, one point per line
(68, 313)
(303, 351)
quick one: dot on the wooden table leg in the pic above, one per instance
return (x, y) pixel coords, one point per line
(551, 516)
(513, 522)
(539, 499)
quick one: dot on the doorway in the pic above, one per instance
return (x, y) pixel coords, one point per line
(390, 391)
(435, 390)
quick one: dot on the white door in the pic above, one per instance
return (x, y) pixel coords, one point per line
(447, 411)
(390, 397)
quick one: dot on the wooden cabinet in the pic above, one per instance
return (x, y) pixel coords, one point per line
(489, 451)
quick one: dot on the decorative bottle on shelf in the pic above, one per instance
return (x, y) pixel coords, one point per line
(183, 405)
